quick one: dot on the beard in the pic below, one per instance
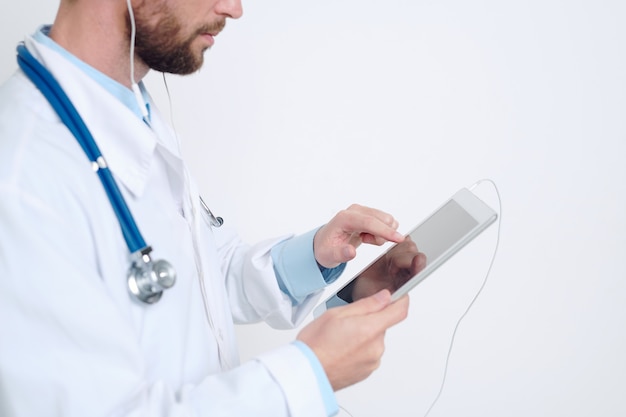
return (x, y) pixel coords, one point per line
(163, 46)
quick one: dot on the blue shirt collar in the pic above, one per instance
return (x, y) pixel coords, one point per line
(118, 90)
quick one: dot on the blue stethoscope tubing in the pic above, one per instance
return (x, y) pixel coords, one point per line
(53, 92)
(147, 279)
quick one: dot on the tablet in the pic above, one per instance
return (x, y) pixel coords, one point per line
(425, 248)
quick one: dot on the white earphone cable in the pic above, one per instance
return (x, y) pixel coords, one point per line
(480, 290)
(133, 83)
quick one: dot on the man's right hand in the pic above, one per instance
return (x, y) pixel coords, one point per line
(349, 340)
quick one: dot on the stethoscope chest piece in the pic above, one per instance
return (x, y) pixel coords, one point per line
(147, 278)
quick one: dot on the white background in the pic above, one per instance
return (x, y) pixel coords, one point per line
(306, 107)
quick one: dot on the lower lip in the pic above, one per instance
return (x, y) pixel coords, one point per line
(208, 38)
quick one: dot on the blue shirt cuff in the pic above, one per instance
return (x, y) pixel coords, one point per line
(328, 395)
(298, 273)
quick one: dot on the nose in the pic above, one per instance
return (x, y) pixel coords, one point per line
(230, 8)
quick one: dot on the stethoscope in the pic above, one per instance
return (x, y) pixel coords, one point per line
(147, 279)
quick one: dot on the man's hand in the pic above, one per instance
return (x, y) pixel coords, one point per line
(349, 340)
(337, 241)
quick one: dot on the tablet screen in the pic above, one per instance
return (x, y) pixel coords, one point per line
(441, 230)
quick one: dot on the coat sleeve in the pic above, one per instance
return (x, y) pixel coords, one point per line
(252, 285)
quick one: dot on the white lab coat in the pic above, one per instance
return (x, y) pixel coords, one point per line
(72, 341)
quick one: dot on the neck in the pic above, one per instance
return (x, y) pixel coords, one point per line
(96, 33)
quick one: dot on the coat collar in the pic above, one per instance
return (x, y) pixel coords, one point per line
(127, 143)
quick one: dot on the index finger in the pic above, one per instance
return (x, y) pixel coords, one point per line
(375, 223)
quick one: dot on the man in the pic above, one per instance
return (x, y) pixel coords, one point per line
(74, 342)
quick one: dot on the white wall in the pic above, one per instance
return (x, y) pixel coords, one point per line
(305, 107)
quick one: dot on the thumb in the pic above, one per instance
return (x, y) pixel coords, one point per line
(371, 304)
(331, 257)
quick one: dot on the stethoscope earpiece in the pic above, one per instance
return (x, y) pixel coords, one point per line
(210, 217)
